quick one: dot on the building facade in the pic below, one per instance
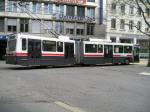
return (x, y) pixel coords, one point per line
(67, 17)
(120, 22)
(76, 18)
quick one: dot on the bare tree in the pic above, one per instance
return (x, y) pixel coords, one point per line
(145, 13)
(143, 7)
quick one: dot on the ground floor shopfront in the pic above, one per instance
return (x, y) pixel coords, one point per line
(136, 39)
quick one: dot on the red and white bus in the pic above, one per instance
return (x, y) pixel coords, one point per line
(31, 50)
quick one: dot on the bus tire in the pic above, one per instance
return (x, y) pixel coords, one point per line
(115, 63)
(43, 66)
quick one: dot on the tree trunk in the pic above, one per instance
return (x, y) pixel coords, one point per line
(148, 64)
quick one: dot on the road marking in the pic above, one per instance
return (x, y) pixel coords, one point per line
(68, 107)
(145, 73)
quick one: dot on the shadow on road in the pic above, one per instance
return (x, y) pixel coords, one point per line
(54, 67)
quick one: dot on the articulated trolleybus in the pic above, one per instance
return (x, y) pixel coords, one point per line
(30, 50)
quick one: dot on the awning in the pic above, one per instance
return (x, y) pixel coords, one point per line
(3, 37)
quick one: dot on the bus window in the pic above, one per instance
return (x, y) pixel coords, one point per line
(49, 46)
(11, 37)
(24, 44)
(118, 49)
(127, 49)
(59, 46)
(90, 48)
(12, 45)
(100, 48)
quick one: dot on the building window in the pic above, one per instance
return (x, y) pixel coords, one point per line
(11, 6)
(2, 24)
(12, 25)
(146, 28)
(122, 24)
(131, 25)
(90, 29)
(59, 9)
(143, 43)
(113, 23)
(48, 8)
(2, 6)
(113, 39)
(36, 8)
(69, 31)
(80, 11)
(24, 25)
(36, 26)
(90, 0)
(70, 11)
(101, 12)
(113, 7)
(24, 7)
(47, 26)
(70, 28)
(122, 9)
(59, 27)
(148, 11)
(91, 12)
(126, 40)
(131, 10)
(139, 25)
(80, 31)
(139, 11)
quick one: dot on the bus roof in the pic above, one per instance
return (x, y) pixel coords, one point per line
(60, 38)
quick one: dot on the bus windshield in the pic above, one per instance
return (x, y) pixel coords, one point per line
(12, 45)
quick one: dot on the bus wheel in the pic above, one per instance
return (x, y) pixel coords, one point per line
(127, 62)
(82, 64)
(43, 66)
(115, 63)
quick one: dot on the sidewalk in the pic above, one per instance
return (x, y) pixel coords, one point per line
(142, 62)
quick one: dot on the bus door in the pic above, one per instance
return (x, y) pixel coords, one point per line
(136, 53)
(79, 52)
(108, 53)
(34, 51)
(69, 50)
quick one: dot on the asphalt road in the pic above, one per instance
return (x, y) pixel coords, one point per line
(75, 89)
